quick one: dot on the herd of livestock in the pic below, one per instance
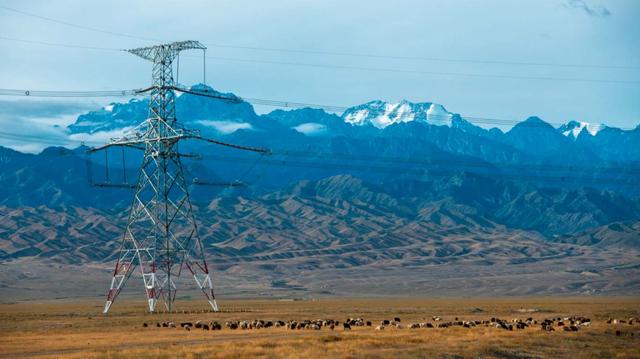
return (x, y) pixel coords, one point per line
(569, 324)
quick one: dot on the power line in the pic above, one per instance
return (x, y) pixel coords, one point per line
(357, 68)
(56, 93)
(54, 44)
(267, 102)
(331, 53)
(87, 28)
(419, 72)
(420, 58)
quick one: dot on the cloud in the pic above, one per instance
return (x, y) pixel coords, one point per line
(32, 125)
(311, 128)
(226, 127)
(97, 138)
(22, 109)
(592, 10)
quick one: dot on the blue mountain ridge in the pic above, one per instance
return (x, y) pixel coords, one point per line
(532, 176)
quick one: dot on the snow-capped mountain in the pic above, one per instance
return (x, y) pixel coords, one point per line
(573, 129)
(381, 114)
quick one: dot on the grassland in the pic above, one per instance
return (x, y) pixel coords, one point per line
(78, 330)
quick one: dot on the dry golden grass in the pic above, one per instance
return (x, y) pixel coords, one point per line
(78, 330)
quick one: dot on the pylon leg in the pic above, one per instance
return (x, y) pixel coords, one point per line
(122, 272)
(204, 282)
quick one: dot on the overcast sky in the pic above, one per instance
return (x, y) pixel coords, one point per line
(562, 32)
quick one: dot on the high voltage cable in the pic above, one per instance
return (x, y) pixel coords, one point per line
(419, 72)
(264, 102)
(55, 44)
(435, 59)
(88, 28)
(358, 68)
(331, 53)
(45, 93)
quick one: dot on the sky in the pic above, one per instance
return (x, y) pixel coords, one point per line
(589, 51)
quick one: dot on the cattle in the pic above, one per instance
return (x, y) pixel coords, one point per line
(187, 328)
(437, 319)
(158, 325)
(198, 325)
(548, 328)
(332, 327)
(186, 324)
(205, 327)
(384, 322)
(346, 326)
(414, 326)
(380, 327)
(144, 325)
(397, 319)
(399, 326)
(368, 323)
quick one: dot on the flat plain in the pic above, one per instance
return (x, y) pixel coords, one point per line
(70, 329)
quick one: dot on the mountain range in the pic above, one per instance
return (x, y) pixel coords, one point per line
(404, 185)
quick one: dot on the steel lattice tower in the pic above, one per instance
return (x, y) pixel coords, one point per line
(161, 237)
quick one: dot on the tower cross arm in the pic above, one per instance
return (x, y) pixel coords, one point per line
(264, 151)
(159, 52)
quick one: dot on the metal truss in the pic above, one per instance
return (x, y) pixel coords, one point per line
(161, 238)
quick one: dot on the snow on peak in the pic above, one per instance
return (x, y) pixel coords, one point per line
(572, 129)
(381, 114)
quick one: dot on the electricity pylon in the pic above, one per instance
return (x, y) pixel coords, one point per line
(161, 237)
